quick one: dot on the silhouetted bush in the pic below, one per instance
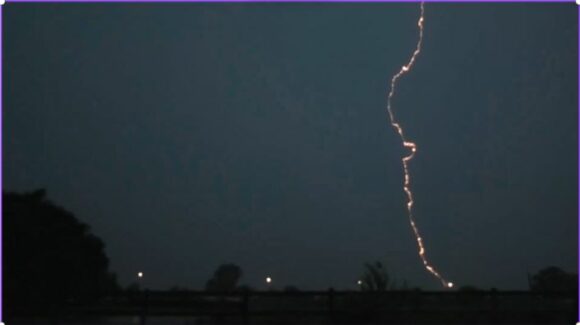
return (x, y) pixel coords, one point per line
(225, 278)
(554, 279)
(375, 277)
(50, 257)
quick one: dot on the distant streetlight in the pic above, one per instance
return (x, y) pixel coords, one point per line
(450, 284)
(140, 280)
(269, 282)
(359, 282)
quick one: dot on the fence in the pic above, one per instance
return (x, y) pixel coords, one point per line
(250, 307)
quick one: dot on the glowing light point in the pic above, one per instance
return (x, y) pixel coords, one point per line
(268, 280)
(405, 68)
(578, 3)
(359, 282)
(2, 2)
(140, 274)
(450, 284)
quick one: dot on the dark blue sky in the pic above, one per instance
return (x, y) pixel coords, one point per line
(188, 135)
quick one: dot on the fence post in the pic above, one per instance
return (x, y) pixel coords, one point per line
(245, 307)
(331, 304)
(144, 308)
(494, 305)
(55, 313)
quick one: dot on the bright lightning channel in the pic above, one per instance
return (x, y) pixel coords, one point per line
(413, 147)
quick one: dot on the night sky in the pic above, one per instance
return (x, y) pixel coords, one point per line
(190, 135)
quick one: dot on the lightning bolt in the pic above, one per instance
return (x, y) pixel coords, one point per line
(413, 147)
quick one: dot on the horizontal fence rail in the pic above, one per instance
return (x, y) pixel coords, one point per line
(409, 306)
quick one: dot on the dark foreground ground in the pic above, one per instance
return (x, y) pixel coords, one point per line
(326, 307)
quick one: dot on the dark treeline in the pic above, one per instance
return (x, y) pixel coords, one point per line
(52, 260)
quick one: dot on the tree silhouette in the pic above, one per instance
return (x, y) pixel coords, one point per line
(50, 257)
(554, 279)
(225, 278)
(375, 277)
